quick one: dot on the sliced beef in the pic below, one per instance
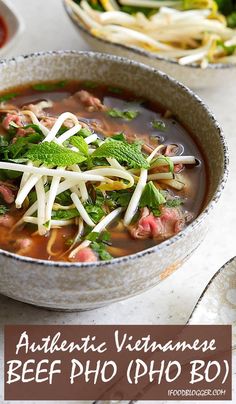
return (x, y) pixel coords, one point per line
(79, 101)
(85, 255)
(7, 221)
(171, 222)
(7, 193)
(16, 118)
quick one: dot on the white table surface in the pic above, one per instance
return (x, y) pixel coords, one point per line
(171, 302)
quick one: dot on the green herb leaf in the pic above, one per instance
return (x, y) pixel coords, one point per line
(159, 125)
(64, 198)
(49, 86)
(89, 84)
(51, 153)
(231, 20)
(118, 136)
(17, 150)
(93, 236)
(7, 97)
(151, 197)
(95, 212)
(36, 129)
(115, 90)
(84, 132)
(127, 115)
(121, 198)
(100, 249)
(3, 210)
(3, 141)
(65, 214)
(173, 203)
(123, 152)
(79, 142)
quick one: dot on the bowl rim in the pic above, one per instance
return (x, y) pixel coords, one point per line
(18, 27)
(142, 52)
(196, 222)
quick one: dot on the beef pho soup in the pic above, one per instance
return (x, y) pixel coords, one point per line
(90, 172)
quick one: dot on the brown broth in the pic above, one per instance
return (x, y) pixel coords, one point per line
(122, 243)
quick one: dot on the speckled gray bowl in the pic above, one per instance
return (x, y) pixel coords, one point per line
(192, 75)
(87, 286)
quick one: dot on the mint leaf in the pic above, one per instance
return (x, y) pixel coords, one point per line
(3, 210)
(151, 197)
(127, 115)
(51, 153)
(65, 214)
(159, 125)
(123, 152)
(79, 142)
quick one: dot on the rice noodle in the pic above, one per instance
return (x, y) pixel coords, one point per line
(51, 242)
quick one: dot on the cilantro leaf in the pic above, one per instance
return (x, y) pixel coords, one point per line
(118, 136)
(173, 203)
(100, 249)
(95, 212)
(127, 115)
(65, 214)
(115, 90)
(51, 153)
(49, 86)
(22, 145)
(89, 84)
(64, 198)
(7, 97)
(151, 197)
(3, 210)
(159, 125)
(123, 152)
(121, 198)
(231, 20)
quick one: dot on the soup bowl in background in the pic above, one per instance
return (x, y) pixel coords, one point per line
(81, 286)
(192, 75)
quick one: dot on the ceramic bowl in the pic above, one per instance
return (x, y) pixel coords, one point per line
(217, 304)
(14, 23)
(192, 75)
(83, 286)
